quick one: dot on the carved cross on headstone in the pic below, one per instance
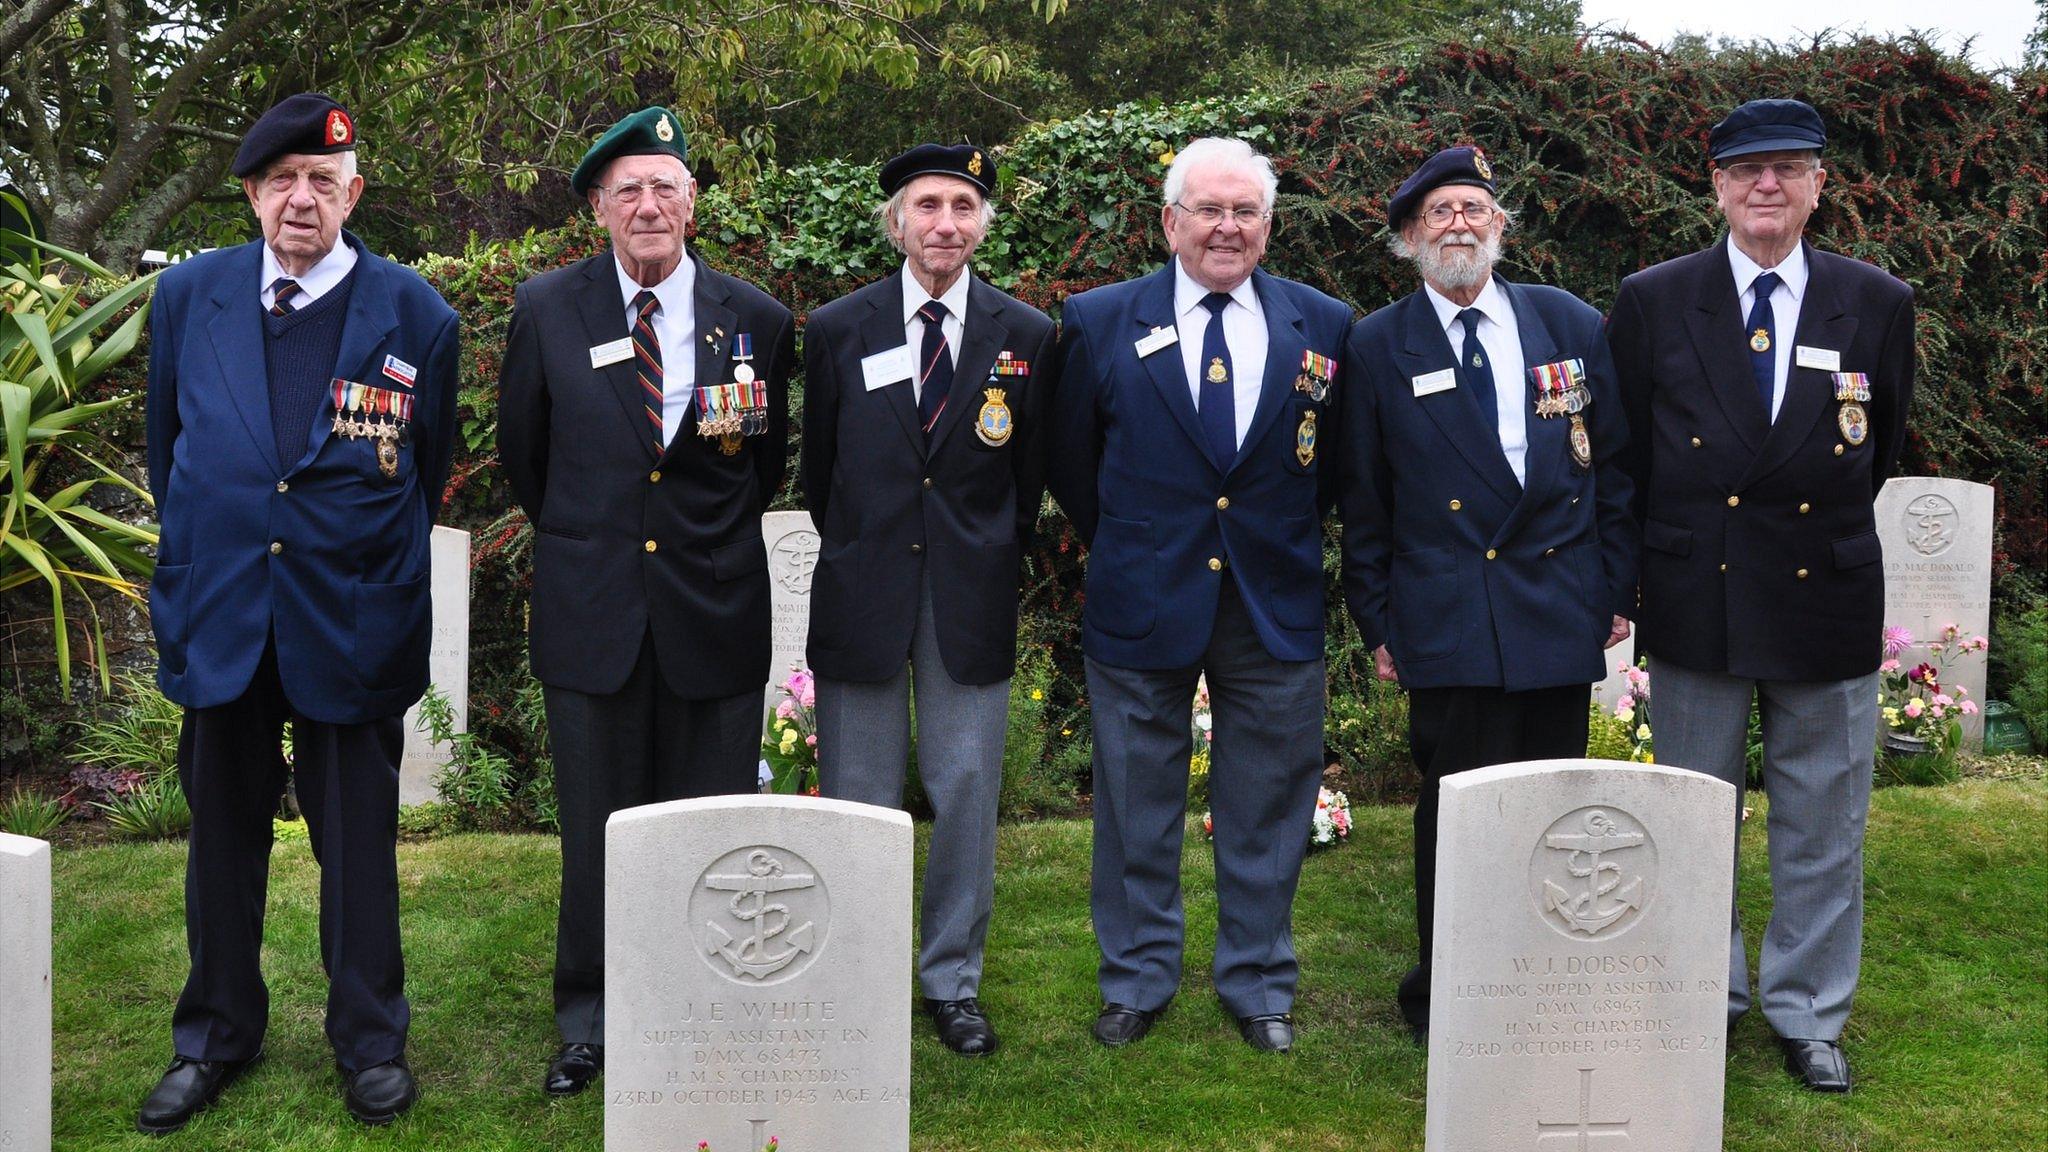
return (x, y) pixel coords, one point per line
(1585, 1128)
(760, 1139)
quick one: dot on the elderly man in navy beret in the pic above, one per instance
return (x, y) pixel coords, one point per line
(1488, 553)
(643, 422)
(924, 400)
(301, 417)
(1768, 383)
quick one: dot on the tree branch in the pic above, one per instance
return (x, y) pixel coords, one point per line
(25, 22)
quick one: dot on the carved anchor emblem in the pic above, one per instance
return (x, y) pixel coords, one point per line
(750, 904)
(1583, 911)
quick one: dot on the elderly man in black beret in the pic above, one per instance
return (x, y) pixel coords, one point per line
(643, 424)
(924, 466)
(1767, 383)
(1488, 553)
(301, 417)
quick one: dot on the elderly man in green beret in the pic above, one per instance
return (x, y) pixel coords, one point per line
(643, 426)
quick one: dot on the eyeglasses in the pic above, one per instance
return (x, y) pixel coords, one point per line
(1476, 215)
(630, 191)
(1212, 215)
(1786, 171)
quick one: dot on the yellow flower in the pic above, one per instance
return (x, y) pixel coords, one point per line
(1038, 693)
(1066, 731)
(1166, 157)
(788, 742)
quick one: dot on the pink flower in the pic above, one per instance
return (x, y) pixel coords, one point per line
(1942, 700)
(811, 740)
(1896, 640)
(1978, 644)
(1914, 708)
(1969, 708)
(786, 709)
(1888, 666)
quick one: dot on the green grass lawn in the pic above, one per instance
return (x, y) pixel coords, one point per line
(1949, 1038)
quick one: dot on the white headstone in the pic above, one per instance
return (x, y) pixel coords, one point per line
(24, 994)
(1615, 684)
(792, 542)
(1937, 572)
(757, 976)
(1578, 992)
(447, 665)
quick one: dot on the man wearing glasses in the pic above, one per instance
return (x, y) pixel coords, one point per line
(1768, 383)
(642, 423)
(1191, 449)
(1488, 553)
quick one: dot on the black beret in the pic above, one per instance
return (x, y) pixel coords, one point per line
(1767, 126)
(1465, 164)
(648, 132)
(965, 161)
(308, 124)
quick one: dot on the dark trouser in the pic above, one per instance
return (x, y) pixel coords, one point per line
(640, 745)
(1459, 729)
(231, 765)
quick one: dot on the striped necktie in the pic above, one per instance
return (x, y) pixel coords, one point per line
(281, 292)
(647, 359)
(935, 379)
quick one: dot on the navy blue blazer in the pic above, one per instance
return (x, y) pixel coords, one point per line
(329, 556)
(1161, 521)
(1468, 578)
(1760, 548)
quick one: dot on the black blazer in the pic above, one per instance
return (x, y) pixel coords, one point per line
(626, 543)
(886, 507)
(1760, 551)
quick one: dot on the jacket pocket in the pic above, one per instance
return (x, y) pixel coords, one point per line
(1123, 586)
(1422, 603)
(169, 609)
(1667, 538)
(737, 559)
(394, 628)
(564, 533)
(1856, 551)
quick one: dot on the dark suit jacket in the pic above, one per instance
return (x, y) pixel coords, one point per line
(329, 556)
(1760, 552)
(625, 542)
(1161, 520)
(1470, 579)
(886, 507)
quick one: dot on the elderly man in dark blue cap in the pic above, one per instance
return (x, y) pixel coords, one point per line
(1488, 553)
(301, 418)
(1767, 383)
(924, 464)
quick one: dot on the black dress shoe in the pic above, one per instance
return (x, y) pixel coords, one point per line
(1120, 1024)
(963, 1026)
(1267, 1033)
(381, 1093)
(573, 1068)
(1419, 1033)
(1819, 1064)
(186, 1089)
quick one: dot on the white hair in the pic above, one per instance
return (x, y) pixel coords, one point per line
(1220, 150)
(890, 214)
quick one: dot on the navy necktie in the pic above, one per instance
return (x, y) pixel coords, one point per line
(281, 292)
(1218, 396)
(647, 360)
(1763, 339)
(1478, 373)
(935, 375)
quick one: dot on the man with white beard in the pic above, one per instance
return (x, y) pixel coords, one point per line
(1489, 556)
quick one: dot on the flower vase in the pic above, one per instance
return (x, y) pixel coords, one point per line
(1901, 744)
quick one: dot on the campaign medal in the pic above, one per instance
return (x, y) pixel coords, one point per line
(367, 412)
(1582, 443)
(1305, 439)
(1852, 389)
(1007, 364)
(387, 454)
(1217, 372)
(1317, 371)
(742, 353)
(993, 424)
(1760, 341)
(729, 444)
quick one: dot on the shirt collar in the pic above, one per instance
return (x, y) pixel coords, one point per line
(914, 296)
(1491, 301)
(1188, 293)
(673, 292)
(1791, 270)
(320, 278)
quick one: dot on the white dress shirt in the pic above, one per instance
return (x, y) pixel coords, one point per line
(914, 297)
(1244, 329)
(319, 280)
(1501, 337)
(675, 325)
(1784, 308)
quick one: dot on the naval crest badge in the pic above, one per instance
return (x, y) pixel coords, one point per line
(1305, 439)
(1480, 164)
(974, 164)
(993, 423)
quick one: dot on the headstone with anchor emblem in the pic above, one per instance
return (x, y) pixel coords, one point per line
(757, 961)
(1578, 993)
(792, 543)
(1936, 534)
(24, 994)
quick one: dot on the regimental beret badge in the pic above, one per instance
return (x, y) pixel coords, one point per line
(1480, 162)
(664, 130)
(339, 130)
(974, 164)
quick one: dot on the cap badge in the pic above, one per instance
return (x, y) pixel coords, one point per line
(339, 130)
(1480, 164)
(664, 130)
(974, 164)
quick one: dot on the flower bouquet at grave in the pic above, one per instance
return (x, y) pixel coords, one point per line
(1633, 711)
(1198, 764)
(1923, 715)
(1330, 826)
(791, 745)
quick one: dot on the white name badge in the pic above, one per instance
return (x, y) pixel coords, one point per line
(886, 368)
(1825, 359)
(1160, 338)
(1430, 382)
(612, 353)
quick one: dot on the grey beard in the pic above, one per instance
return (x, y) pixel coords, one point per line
(1448, 272)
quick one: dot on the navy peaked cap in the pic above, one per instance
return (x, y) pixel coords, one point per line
(1767, 126)
(965, 161)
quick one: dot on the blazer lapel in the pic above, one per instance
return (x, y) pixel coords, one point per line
(1152, 311)
(1717, 337)
(236, 332)
(1548, 445)
(716, 324)
(604, 320)
(1823, 323)
(981, 337)
(1426, 348)
(1284, 346)
(369, 324)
